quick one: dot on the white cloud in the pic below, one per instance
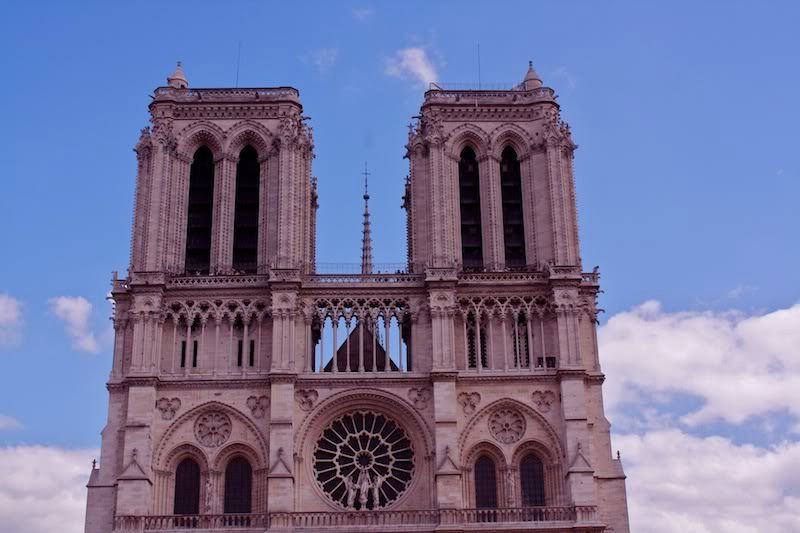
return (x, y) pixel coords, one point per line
(43, 489)
(412, 63)
(677, 482)
(362, 14)
(739, 366)
(9, 422)
(10, 320)
(740, 290)
(322, 59)
(564, 74)
(75, 311)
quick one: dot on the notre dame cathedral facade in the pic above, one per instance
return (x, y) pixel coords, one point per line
(251, 392)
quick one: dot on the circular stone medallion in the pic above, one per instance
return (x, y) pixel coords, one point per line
(507, 425)
(212, 429)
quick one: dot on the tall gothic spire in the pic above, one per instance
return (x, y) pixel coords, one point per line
(366, 234)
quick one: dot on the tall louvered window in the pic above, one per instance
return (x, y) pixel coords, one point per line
(513, 225)
(200, 212)
(187, 487)
(470, 201)
(531, 472)
(238, 486)
(245, 220)
(485, 483)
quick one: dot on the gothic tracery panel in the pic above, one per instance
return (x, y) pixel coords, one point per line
(363, 460)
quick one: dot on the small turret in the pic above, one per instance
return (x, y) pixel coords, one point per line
(178, 78)
(532, 79)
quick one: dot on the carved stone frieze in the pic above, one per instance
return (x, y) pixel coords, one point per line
(306, 398)
(543, 400)
(469, 401)
(258, 405)
(168, 407)
(212, 429)
(419, 397)
(507, 425)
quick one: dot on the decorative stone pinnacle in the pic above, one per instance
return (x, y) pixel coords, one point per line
(178, 78)
(366, 233)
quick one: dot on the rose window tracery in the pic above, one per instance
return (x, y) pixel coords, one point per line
(507, 425)
(363, 460)
(212, 429)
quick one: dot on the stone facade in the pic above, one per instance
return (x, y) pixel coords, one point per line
(359, 401)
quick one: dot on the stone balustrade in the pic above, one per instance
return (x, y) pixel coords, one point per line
(545, 518)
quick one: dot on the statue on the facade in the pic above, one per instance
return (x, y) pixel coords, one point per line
(351, 489)
(364, 485)
(209, 495)
(376, 490)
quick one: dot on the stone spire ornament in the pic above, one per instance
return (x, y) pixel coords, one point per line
(532, 79)
(178, 78)
(366, 233)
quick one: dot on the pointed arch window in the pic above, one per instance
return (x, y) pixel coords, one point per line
(485, 483)
(187, 487)
(200, 212)
(531, 471)
(470, 202)
(245, 219)
(513, 224)
(238, 486)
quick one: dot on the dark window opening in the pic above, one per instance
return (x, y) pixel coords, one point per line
(183, 354)
(473, 353)
(200, 212)
(470, 202)
(194, 354)
(513, 224)
(238, 486)
(245, 220)
(187, 487)
(485, 483)
(531, 471)
(239, 347)
(546, 362)
(252, 358)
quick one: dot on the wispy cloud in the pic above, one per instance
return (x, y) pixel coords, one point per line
(739, 291)
(564, 75)
(10, 320)
(412, 64)
(323, 59)
(43, 489)
(9, 422)
(362, 14)
(736, 365)
(74, 311)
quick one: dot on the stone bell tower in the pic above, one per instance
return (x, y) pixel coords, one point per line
(250, 392)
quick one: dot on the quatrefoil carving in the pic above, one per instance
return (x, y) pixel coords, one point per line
(258, 406)
(168, 407)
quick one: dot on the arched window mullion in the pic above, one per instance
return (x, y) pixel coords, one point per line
(470, 211)
(513, 222)
(199, 213)
(246, 214)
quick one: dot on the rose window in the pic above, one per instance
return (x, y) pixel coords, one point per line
(212, 429)
(507, 425)
(363, 460)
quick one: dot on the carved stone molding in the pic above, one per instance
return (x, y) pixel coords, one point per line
(212, 429)
(168, 407)
(507, 425)
(543, 400)
(258, 405)
(306, 398)
(469, 401)
(419, 397)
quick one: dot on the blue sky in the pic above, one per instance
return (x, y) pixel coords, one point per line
(688, 171)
